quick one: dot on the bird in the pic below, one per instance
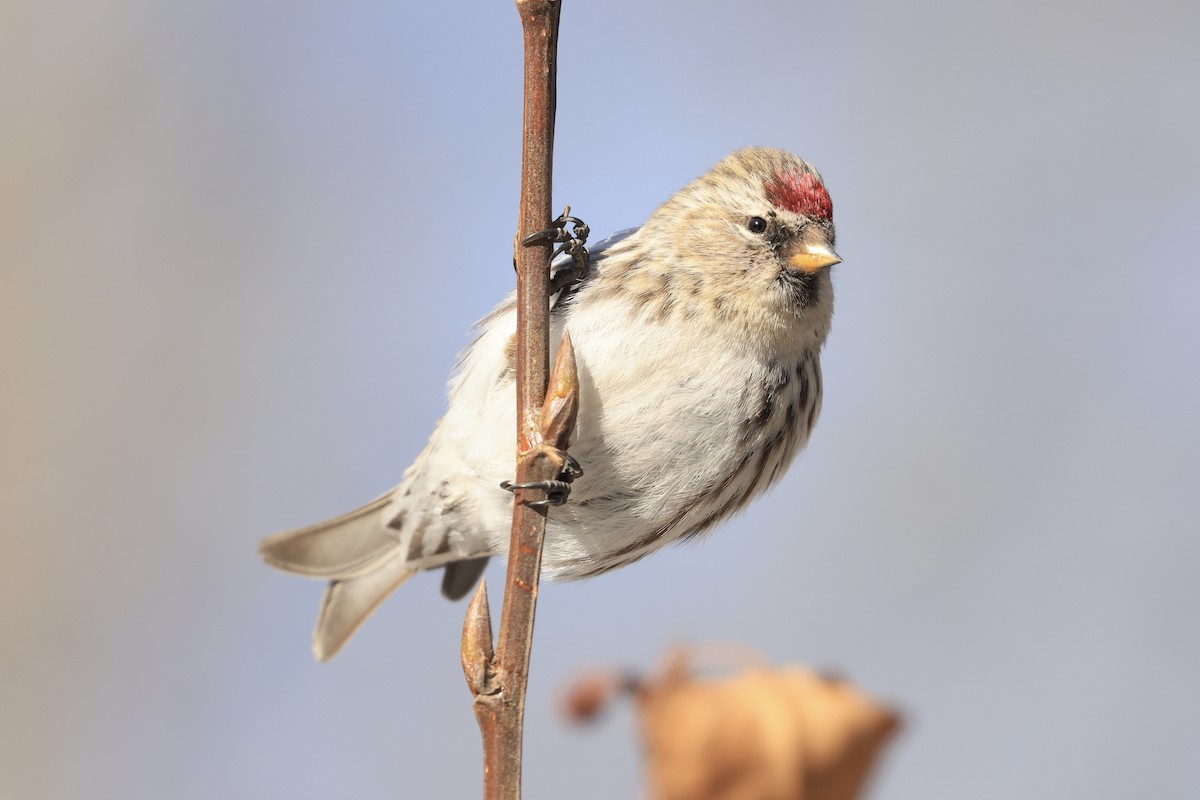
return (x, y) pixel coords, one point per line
(697, 339)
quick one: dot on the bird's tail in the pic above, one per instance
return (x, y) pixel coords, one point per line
(361, 554)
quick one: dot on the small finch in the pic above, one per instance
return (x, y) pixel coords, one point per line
(697, 338)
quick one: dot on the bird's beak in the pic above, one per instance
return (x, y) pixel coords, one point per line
(812, 255)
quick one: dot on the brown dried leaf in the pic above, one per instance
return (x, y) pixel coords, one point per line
(783, 734)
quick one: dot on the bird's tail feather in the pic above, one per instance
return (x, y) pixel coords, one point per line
(348, 603)
(342, 547)
(360, 552)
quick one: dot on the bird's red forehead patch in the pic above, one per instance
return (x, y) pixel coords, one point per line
(801, 193)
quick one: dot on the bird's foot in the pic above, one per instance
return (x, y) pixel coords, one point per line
(571, 242)
(557, 491)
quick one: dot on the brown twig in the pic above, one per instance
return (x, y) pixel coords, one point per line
(498, 681)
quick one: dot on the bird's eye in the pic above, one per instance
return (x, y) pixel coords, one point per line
(756, 224)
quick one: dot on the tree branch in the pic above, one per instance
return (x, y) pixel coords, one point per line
(498, 682)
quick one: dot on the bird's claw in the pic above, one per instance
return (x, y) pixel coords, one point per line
(557, 491)
(570, 242)
(570, 468)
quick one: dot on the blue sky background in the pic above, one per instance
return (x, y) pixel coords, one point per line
(242, 242)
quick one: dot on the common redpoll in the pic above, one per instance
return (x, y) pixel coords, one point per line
(697, 338)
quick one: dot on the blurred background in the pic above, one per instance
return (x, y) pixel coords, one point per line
(242, 242)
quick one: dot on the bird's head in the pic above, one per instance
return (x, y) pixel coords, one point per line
(754, 237)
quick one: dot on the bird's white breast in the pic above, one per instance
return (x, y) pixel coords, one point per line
(662, 420)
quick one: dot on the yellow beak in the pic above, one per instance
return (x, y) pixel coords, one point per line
(812, 256)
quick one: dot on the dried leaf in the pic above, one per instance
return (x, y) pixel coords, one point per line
(783, 734)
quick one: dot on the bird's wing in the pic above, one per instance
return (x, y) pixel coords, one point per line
(596, 256)
(595, 251)
(558, 302)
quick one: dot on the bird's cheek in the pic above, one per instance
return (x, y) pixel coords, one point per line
(701, 230)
